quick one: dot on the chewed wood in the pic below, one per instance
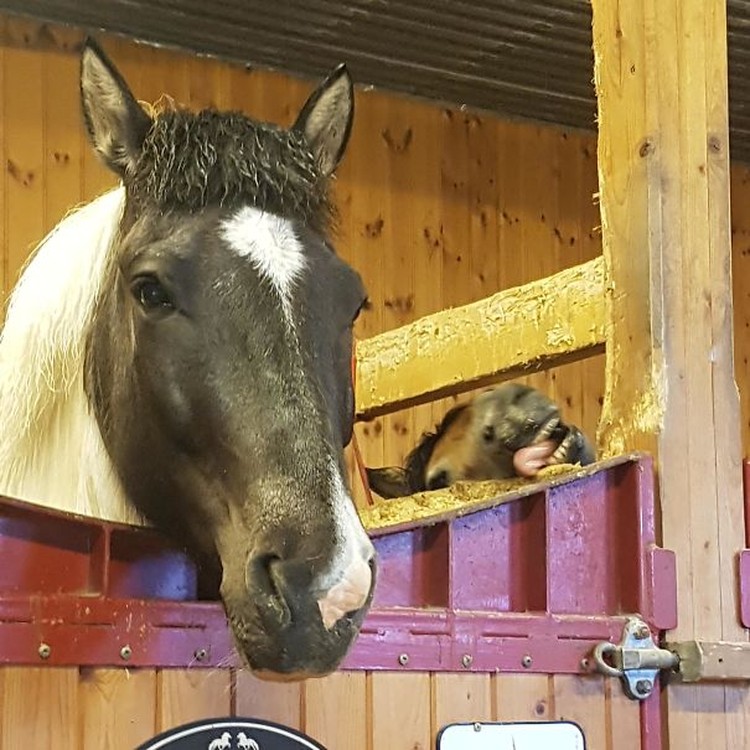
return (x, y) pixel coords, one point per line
(555, 320)
(462, 498)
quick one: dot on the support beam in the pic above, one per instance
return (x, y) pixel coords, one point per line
(548, 322)
(661, 78)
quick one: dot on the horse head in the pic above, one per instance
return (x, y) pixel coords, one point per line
(507, 431)
(218, 357)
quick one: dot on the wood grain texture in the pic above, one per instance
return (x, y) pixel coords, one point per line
(40, 708)
(555, 319)
(117, 708)
(663, 170)
(400, 711)
(274, 701)
(337, 711)
(189, 695)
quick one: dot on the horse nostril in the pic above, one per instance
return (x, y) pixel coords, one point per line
(267, 577)
(488, 433)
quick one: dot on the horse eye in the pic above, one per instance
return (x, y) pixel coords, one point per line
(151, 294)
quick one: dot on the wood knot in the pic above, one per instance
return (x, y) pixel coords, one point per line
(374, 228)
(714, 144)
(647, 148)
(398, 146)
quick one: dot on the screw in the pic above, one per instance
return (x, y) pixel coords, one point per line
(477, 726)
(200, 654)
(526, 662)
(403, 659)
(642, 632)
(466, 660)
(126, 652)
(44, 651)
(585, 665)
(643, 687)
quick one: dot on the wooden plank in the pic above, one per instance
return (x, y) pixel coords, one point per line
(460, 698)
(400, 711)
(23, 107)
(740, 192)
(62, 136)
(623, 718)
(274, 701)
(189, 695)
(557, 319)
(40, 708)
(118, 707)
(582, 700)
(522, 697)
(663, 163)
(337, 710)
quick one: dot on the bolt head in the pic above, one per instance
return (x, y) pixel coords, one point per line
(466, 660)
(44, 651)
(527, 661)
(200, 654)
(643, 687)
(642, 632)
(403, 659)
(125, 653)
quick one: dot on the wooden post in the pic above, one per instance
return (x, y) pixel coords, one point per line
(661, 77)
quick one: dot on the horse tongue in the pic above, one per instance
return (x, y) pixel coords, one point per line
(529, 460)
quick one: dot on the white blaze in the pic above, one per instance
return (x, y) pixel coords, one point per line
(270, 244)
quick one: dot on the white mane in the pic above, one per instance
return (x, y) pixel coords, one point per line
(51, 450)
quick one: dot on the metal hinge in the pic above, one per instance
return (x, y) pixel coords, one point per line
(637, 660)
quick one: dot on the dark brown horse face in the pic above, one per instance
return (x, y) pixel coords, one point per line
(219, 362)
(506, 431)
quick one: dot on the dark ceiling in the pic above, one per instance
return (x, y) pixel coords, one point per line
(519, 58)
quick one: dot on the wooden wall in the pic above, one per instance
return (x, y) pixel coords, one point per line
(438, 208)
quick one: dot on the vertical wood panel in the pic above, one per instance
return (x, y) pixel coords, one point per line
(582, 700)
(190, 695)
(117, 708)
(522, 697)
(400, 711)
(274, 701)
(23, 112)
(40, 708)
(460, 698)
(337, 711)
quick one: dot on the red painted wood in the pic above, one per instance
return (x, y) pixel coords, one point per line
(545, 577)
(744, 559)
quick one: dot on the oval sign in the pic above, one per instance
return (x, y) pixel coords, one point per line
(231, 734)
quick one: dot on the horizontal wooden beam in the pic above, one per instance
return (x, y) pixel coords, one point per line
(533, 327)
(707, 661)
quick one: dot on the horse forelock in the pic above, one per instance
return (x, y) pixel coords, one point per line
(193, 160)
(47, 424)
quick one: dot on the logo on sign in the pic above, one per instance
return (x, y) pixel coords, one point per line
(232, 734)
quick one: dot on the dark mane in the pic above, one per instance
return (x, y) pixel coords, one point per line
(417, 460)
(210, 158)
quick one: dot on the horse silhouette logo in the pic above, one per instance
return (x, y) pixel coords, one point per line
(246, 743)
(221, 743)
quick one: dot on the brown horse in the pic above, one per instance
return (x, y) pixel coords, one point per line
(181, 347)
(508, 431)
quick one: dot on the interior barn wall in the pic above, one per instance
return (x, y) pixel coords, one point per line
(438, 208)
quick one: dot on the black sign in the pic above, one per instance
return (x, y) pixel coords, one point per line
(231, 734)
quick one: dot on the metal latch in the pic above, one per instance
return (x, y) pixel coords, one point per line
(636, 660)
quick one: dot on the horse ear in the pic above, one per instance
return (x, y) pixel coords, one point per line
(389, 482)
(116, 123)
(326, 119)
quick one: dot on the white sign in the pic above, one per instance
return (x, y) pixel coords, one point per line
(542, 735)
